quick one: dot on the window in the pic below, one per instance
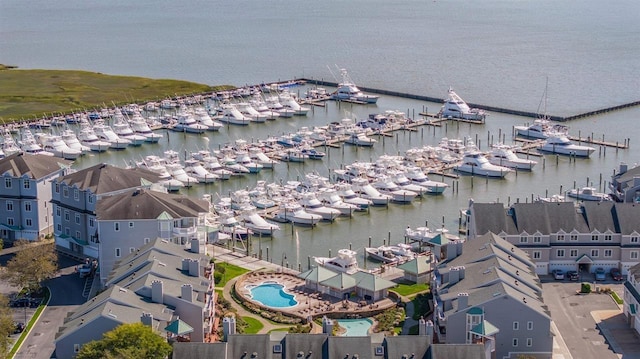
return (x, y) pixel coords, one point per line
(515, 342)
(65, 192)
(536, 254)
(594, 253)
(633, 254)
(560, 253)
(59, 227)
(131, 249)
(529, 342)
(7, 182)
(594, 237)
(58, 212)
(28, 222)
(573, 253)
(560, 237)
(66, 216)
(537, 239)
(130, 224)
(147, 240)
(76, 194)
(90, 198)
(116, 226)
(91, 222)
(9, 206)
(57, 188)
(78, 234)
(634, 239)
(608, 237)
(117, 252)
(608, 253)
(77, 218)
(573, 237)
(516, 325)
(10, 221)
(523, 239)
(27, 206)
(26, 184)
(529, 325)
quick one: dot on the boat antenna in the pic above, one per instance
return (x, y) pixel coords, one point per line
(332, 74)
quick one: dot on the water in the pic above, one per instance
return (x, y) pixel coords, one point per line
(273, 295)
(494, 52)
(355, 327)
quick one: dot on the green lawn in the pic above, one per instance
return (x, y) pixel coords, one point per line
(410, 289)
(230, 271)
(26, 94)
(254, 325)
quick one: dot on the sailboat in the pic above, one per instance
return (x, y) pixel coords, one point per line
(542, 127)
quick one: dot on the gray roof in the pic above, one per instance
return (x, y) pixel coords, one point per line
(397, 346)
(32, 166)
(339, 347)
(306, 343)
(628, 175)
(193, 350)
(341, 281)
(372, 282)
(457, 351)
(548, 218)
(628, 217)
(103, 178)
(148, 204)
(492, 217)
(600, 216)
(317, 274)
(238, 344)
(418, 265)
(635, 271)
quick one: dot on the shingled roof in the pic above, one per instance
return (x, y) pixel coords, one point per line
(103, 178)
(148, 204)
(32, 166)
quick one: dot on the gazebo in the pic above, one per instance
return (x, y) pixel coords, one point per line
(179, 330)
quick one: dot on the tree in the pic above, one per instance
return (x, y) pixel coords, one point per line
(31, 266)
(6, 326)
(127, 341)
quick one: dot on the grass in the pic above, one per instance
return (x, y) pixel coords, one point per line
(616, 297)
(420, 306)
(33, 93)
(253, 325)
(32, 322)
(230, 271)
(408, 290)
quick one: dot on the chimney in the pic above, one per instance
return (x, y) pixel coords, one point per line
(327, 325)
(228, 327)
(185, 264)
(461, 271)
(463, 301)
(157, 292)
(454, 275)
(187, 292)
(195, 245)
(429, 330)
(194, 268)
(147, 319)
(623, 168)
(422, 329)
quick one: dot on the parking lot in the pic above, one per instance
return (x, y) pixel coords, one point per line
(577, 317)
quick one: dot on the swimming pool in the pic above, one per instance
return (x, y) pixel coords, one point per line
(355, 327)
(272, 295)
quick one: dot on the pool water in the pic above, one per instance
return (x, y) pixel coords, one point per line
(273, 295)
(355, 327)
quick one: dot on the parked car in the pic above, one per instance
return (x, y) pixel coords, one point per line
(573, 275)
(558, 274)
(616, 274)
(600, 274)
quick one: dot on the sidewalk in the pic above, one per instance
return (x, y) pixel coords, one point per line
(623, 340)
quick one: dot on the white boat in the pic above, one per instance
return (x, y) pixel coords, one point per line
(588, 194)
(30, 145)
(345, 261)
(171, 184)
(9, 145)
(229, 224)
(195, 169)
(156, 165)
(367, 191)
(257, 223)
(71, 139)
(273, 103)
(330, 198)
(417, 176)
(247, 110)
(88, 137)
(211, 164)
(259, 105)
(475, 163)
(541, 128)
(140, 126)
(382, 254)
(243, 159)
(294, 213)
(400, 179)
(230, 114)
(425, 234)
(455, 107)
(561, 144)
(230, 164)
(202, 117)
(312, 204)
(360, 139)
(293, 155)
(503, 155)
(54, 144)
(105, 133)
(403, 251)
(258, 156)
(186, 122)
(347, 90)
(386, 186)
(289, 102)
(349, 196)
(123, 130)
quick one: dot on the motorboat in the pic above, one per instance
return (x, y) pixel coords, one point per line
(105, 133)
(273, 103)
(382, 254)
(349, 196)
(360, 139)
(294, 213)
(211, 164)
(195, 169)
(177, 172)
(155, 164)
(289, 102)
(417, 176)
(243, 159)
(122, 128)
(54, 144)
(249, 111)
(312, 153)
(88, 137)
(259, 105)
(330, 198)
(9, 145)
(345, 261)
(293, 155)
(230, 114)
(455, 107)
(312, 204)
(367, 191)
(503, 155)
(202, 117)
(258, 156)
(386, 186)
(71, 139)
(541, 128)
(30, 145)
(403, 251)
(229, 224)
(400, 179)
(426, 234)
(140, 126)
(186, 122)
(230, 164)
(256, 223)
(347, 90)
(475, 163)
(560, 144)
(588, 194)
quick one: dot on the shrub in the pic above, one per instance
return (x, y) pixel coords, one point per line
(585, 288)
(217, 277)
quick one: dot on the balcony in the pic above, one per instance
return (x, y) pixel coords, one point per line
(184, 231)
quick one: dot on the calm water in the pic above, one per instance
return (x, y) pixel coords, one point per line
(492, 52)
(273, 295)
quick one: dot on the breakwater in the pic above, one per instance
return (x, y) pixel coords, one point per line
(484, 107)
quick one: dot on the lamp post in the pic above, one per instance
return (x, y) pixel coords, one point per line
(284, 256)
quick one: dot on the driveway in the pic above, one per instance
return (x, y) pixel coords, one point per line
(66, 294)
(573, 314)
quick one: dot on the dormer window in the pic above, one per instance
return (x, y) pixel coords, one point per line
(26, 184)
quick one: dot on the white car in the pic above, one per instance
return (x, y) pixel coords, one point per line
(558, 274)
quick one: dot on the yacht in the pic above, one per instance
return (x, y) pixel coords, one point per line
(259, 105)
(294, 213)
(349, 196)
(123, 130)
(330, 198)
(256, 223)
(503, 155)
(30, 145)
(588, 194)
(203, 118)
(54, 144)
(345, 262)
(417, 176)
(140, 126)
(9, 145)
(273, 103)
(455, 107)
(367, 191)
(229, 224)
(475, 163)
(386, 186)
(347, 90)
(312, 204)
(400, 179)
(289, 102)
(360, 139)
(186, 122)
(211, 164)
(71, 139)
(258, 156)
(195, 169)
(247, 110)
(560, 144)
(541, 128)
(382, 254)
(105, 133)
(88, 137)
(243, 159)
(230, 114)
